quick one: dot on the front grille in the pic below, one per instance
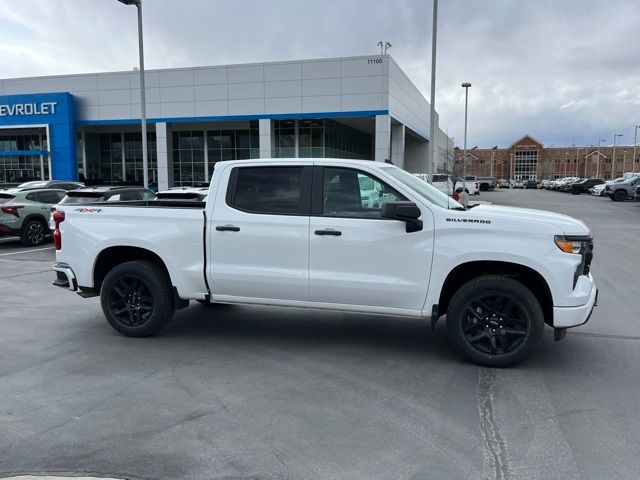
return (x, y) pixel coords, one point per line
(588, 257)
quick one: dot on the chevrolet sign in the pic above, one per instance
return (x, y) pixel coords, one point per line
(44, 108)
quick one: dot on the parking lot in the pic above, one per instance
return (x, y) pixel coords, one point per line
(239, 392)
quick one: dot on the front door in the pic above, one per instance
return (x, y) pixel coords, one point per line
(358, 258)
(260, 234)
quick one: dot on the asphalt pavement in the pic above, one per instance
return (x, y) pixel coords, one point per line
(234, 392)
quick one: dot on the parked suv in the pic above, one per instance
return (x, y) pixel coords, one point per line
(24, 213)
(583, 186)
(59, 184)
(619, 192)
(103, 194)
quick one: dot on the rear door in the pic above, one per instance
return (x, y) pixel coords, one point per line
(259, 233)
(358, 258)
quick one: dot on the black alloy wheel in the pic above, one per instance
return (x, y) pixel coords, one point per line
(495, 324)
(137, 298)
(33, 233)
(494, 320)
(131, 301)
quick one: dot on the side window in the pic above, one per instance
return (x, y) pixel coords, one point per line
(32, 197)
(350, 193)
(267, 190)
(114, 198)
(146, 196)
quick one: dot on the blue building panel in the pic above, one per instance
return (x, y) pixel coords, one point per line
(55, 110)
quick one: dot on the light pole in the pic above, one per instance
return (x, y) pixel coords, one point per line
(432, 113)
(511, 174)
(577, 162)
(613, 156)
(466, 86)
(598, 161)
(635, 146)
(143, 106)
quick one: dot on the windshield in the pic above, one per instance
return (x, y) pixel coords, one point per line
(425, 190)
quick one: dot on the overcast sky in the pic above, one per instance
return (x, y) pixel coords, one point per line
(565, 71)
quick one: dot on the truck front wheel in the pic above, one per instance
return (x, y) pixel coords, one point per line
(495, 321)
(137, 299)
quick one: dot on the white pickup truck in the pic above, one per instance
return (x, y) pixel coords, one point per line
(295, 232)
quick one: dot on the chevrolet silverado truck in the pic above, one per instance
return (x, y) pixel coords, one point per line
(296, 233)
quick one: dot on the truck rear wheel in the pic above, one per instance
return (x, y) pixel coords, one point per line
(495, 321)
(137, 298)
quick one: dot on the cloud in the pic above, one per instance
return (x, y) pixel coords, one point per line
(563, 71)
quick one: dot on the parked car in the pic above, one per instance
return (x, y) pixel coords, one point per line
(59, 184)
(486, 184)
(621, 191)
(440, 181)
(102, 194)
(531, 184)
(518, 184)
(545, 184)
(24, 213)
(295, 232)
(470, 186)
(584, 185)
(198, 194)
(598, 190)
(637, 195)
(558, 184)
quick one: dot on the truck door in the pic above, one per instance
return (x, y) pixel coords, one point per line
(358, 258)
(259, 233)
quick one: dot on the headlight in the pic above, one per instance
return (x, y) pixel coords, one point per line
(572, 244)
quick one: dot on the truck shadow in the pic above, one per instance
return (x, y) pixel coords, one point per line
(300, 328)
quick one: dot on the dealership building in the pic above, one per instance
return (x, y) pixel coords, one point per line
(87, 126)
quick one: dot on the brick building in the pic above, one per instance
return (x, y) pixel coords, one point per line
(529, 158)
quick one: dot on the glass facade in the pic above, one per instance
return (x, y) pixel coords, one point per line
(526, 165)
(113, 157)
(23, 166)
(189, 164)
(116, 158)
(320, 138)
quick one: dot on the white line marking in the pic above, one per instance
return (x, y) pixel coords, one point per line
(27, 251)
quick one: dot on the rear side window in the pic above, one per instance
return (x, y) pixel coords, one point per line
(130, 196)
(50, 198)
(267, 190)
(5, 197)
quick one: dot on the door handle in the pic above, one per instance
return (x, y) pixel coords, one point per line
(227, 228)
(335, 233)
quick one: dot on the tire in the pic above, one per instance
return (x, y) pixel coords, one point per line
(576, 191)
(137, 299)
(509, 306)
(619, 196)
(33, 233)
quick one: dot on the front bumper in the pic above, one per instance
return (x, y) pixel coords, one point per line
(65, 277)
(566, 317)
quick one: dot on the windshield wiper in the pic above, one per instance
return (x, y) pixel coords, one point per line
(460, 209)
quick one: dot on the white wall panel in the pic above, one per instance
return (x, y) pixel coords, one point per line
(283, 105)
(246, 73)
(246, 107)
(210, 92)
(210, 76)
(282, 71)
(239, 91)
(176, 94)
(176, 78)
(323, 86)
(321, 69)
(290, 88)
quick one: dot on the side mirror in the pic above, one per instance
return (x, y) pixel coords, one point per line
(407, 212)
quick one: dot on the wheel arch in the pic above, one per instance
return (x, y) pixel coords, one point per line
(111, 257)
(36, 216)
(530, 278)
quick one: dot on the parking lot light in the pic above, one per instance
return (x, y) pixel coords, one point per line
(598, 161)
(466, 86)
(635, 146)
(613, 156)
(143, 107)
